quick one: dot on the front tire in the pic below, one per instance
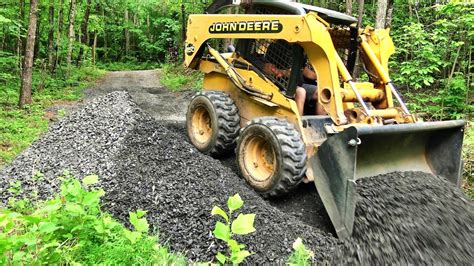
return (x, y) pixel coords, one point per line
(213, 122)
(271, 156)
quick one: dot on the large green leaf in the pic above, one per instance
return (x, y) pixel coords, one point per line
(221, 231)
(221, 258)
(234, 202)
(132, 236)
(217, 210)
(74, 208)
(140, 224)
(47, 227)
(240, 256)
(90, 180)
(243, 224)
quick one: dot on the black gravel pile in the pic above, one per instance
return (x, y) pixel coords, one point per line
(178, 185)
(410, 218)
(144, 165)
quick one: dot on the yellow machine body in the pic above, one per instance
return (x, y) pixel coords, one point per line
(356, 142)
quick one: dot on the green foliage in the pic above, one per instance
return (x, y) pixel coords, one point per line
(71, 229)
(242, 225)
(433, 58)
(20, 127)
(176, 78)
(129, 65)
(468, 158)
(301, 256)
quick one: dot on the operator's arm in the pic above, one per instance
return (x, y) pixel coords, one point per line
(271, 69)
(309, 74)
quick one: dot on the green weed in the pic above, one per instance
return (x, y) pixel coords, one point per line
(468, 158)
(301, 255)
(71, 229)
(176, 78)
(242, 225)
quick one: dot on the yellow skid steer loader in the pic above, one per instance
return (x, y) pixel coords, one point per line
(250, 103)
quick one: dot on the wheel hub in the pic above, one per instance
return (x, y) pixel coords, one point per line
(259, 159)
(201, 126)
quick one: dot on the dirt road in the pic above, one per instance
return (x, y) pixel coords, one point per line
(146, 91)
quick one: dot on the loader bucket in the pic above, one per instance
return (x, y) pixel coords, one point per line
(365, 151)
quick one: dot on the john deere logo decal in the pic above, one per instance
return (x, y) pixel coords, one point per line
(262, 26)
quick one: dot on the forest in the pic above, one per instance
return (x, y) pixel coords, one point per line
(51, 50)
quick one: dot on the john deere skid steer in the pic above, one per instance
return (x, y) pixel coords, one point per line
(366, 128)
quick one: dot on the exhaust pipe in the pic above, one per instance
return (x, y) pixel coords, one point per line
(365, 151)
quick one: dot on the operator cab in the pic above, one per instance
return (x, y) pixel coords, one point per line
(270, 54)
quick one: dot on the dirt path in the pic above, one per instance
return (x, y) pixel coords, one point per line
(146, 91)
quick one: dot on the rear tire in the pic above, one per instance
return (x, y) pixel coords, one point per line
(213, 122)
(271, 156)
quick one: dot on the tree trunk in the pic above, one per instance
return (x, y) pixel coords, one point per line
(360, 12)
(84, 31)
(59, 33)
(388, 22)
(349, 7)
(51, 36)
(105, 35)
(70, 33)
(38, 28)
(127, 34)
(381, 16)
(148, 26)
(94, 47)
(20, 50)
(27, 72)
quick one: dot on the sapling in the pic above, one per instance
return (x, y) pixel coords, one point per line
(242, 225)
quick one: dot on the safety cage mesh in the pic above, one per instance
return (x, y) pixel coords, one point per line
(267, 54)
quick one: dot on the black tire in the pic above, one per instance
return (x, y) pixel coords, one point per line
(271, 156)
(213, 122)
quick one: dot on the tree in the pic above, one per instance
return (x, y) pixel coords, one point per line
(59, 33)
(84, 31)
(349, 7)
(51, 36)
(360, 12)
(127, 34)
(70, 32)
(381, 16)
(27, 72)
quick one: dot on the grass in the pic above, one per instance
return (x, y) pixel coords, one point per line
(176, 78)
(20, 127)
(468, 157)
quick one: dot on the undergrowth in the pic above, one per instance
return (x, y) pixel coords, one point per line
(71, 228)
(175, 77)
(131, 64)
(468, 158)
(20, 127)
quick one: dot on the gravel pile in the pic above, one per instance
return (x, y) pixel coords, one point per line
(410, 218)
(84, 142)
(143, 165)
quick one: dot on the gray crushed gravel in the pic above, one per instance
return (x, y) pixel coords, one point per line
(402, 218)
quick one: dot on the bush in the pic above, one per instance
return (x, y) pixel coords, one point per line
(176, 78)
(71, 228)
